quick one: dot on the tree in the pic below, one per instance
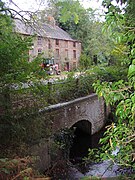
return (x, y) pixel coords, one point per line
(13, 53)
(85, 62)
(16, 72)
(120, 134)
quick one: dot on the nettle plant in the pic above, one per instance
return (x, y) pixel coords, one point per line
(120, 135)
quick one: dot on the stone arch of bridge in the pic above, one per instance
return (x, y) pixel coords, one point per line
(83, 125)
(81, 141)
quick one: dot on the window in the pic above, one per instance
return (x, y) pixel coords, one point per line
(74, 44)
(74, 54)
(49, 44)
(57, 53)
(39, 51)
(66, 53)
(57, 42)
(39, 42)
(66, 44)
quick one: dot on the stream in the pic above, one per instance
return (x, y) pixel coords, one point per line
(82, 142)
(77, 170)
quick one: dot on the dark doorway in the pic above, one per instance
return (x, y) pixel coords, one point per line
(67, 66)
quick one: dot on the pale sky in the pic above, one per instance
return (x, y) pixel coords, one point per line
(33, 5)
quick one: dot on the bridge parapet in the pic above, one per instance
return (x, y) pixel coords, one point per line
(65, 115)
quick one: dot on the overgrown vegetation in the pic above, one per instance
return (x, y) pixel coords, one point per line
(120, 93)
(23, 93)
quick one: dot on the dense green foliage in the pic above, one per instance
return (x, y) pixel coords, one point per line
(121, 94)
(64, 139)
(17, 103)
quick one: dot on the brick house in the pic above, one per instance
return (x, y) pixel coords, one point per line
(52, 42)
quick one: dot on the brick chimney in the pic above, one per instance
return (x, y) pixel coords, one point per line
(51, 21)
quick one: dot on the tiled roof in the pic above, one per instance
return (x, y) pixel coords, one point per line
(41, 29)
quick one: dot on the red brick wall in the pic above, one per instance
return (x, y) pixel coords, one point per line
(65, 49)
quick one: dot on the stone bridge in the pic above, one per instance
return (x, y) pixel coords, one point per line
(87, 113)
